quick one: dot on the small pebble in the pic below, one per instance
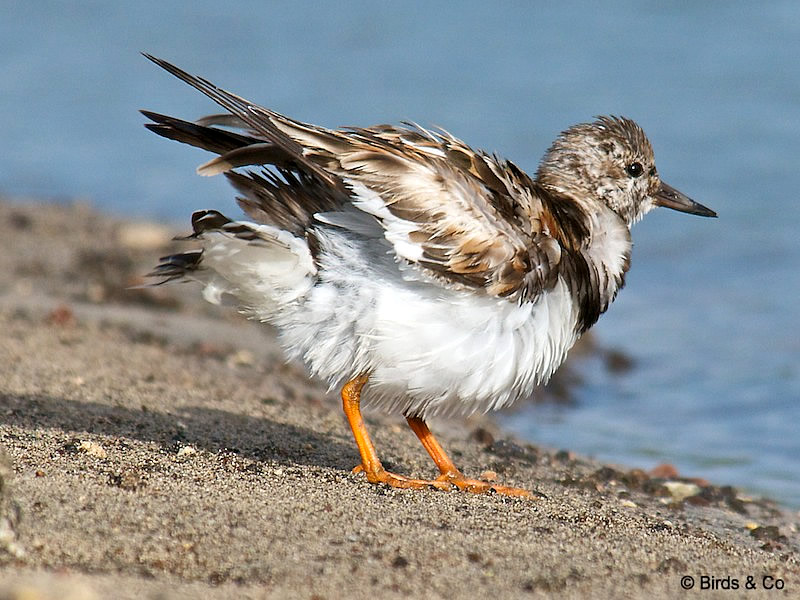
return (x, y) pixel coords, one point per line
(483, 436)
(680, 491)
(92, 449)
(664, 471)
(187, 451)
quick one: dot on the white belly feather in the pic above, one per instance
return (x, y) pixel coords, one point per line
(429, 350)
(461, 353)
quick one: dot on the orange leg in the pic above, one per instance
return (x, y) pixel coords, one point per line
(370, 463)
(373, 469)
(449, 471)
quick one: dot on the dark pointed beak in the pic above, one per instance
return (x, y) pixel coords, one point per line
(671, 198)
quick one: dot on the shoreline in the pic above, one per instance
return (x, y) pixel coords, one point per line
(156, 446)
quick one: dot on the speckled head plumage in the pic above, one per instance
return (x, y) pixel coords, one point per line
(610, 161)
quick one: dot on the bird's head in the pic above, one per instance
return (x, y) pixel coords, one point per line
(611, 161)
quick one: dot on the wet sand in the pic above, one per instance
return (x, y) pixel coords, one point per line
(154, 446)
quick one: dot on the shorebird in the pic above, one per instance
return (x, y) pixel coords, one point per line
(400, 263)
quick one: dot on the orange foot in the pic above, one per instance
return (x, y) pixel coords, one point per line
(381, 475)
(477, 486)
(444, 482)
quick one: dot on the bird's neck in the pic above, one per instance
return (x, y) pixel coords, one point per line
(596, 245)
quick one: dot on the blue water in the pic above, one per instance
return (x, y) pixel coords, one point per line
(710, 314)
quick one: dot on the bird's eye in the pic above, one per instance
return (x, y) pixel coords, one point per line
(634, 169)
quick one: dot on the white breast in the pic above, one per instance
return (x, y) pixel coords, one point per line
(610, 250)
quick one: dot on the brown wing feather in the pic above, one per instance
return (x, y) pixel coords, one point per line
(472, 215)
(464, 217)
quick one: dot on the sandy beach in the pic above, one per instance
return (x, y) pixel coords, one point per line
(153, 446)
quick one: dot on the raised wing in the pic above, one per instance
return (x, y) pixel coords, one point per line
(465, 218)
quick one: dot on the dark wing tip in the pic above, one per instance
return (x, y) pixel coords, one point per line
(154, 116)
(160, 62)
(200, 83)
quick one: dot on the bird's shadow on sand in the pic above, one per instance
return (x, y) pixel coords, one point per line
(209, 429)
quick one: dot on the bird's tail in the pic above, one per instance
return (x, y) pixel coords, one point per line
(260, 267)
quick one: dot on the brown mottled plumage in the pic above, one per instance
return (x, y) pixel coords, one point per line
(445, 277)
